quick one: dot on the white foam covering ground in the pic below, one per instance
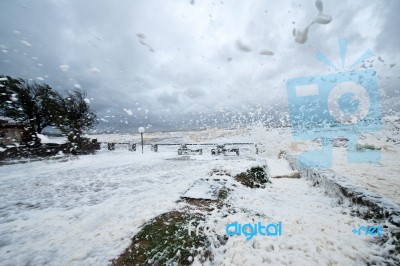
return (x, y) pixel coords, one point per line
(84, 211)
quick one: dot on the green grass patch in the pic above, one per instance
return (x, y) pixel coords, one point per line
(223, 194)
(164, 240)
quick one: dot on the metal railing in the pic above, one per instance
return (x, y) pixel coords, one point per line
(220, 148)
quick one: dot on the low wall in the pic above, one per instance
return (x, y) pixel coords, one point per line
(339, 186)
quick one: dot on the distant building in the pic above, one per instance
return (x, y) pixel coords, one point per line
(10, 131)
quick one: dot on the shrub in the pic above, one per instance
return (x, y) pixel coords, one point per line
(256, 177)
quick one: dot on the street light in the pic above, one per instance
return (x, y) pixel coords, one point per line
(141, 131)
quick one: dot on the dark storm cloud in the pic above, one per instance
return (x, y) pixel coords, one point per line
(174, 63)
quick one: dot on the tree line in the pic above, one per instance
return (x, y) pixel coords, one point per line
(38, 106)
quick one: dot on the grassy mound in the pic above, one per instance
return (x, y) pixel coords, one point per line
(164, 240)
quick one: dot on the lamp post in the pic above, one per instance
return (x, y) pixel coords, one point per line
(141, 131)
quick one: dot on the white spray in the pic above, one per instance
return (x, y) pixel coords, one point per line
(301, 36)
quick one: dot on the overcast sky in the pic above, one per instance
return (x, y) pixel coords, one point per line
(177, 64)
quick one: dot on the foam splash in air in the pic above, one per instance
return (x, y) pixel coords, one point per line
(242, 46)
(26, 43)
(301, 36)
(266, 52)
(64, 68)
(94, 70)
(128, 111)
(141, 38)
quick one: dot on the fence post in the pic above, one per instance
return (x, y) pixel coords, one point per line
(111, 146)
(132, 147)
(155, 147)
